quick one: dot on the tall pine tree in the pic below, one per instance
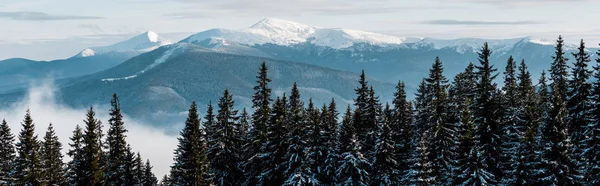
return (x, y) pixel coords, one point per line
(28, 167)
(261, 102)
(224, 164)
(52, 162)
(579, 104)
(75, 167)
(487, 118)
(593, 130)
(92, 151)
(190, 159)
(7, 152)
(117, 146)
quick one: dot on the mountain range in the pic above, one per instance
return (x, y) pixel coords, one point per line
(157, 79)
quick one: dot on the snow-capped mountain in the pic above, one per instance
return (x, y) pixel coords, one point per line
(286, 33)
(388, 58)
(144, 42)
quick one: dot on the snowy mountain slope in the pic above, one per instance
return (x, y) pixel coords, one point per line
(19, 73)
(286, 33)
(144, 42)
(187, 72)
(387, 58)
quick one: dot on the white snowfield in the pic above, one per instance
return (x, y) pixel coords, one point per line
(164, 57)
(282, 32)
(286, 33)
(145, 42)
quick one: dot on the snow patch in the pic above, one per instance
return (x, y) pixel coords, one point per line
(163, 58)
(87, 52)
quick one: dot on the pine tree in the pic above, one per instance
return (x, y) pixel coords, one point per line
(352, 168)
(593, 130)
(321, 148)
(52, 163)
(365, 117)
(75, 167)
(560, 165)
(271, 153)
(296, 169)
(441, 137)
(149, 179)
(190, 159)
(467, 171)
(224, 167)
(128, 175)
(460, 92)
(138, 170)
(28, 169)
(261, 101)
(512, 125)
(385, 165)
(117, 146)
(558, 70)
(330, 125)
(401, 123)
(579, 104)
(92, 151)
(527, 173)
(421, 167)
(7, 152)
(487, 119)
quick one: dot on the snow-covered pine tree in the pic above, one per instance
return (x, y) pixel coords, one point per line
(52, 162)
(296, 169)
(467, 173)
(579, 105)
(460, 92)
(117, 146)
(421, 167)
(593, 130)
(561, 167)
(364, 118)
(487, 119)
(149, 179)
(352, 167)
(261, 103)
(331, 124)
(442, 136)
(189, 167)
(401, 123)
(558, 70)
(224, 168)
(272, 152)
(529, 159)
(128, 175)
(321, 146)
(208, 130)
(75, 169)
(92, 150)
(7, 153)
(28, 169)
(385, 165)
(512, 125)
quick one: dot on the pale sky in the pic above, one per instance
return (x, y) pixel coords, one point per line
(51, 29)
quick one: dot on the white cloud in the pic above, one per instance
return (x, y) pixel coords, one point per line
(152, 143)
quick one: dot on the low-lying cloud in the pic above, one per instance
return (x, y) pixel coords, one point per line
(41, 16)
(463, 22)
(153, 144)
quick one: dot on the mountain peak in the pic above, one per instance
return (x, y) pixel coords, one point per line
(269, 23)
(283, 32)
(144, 42)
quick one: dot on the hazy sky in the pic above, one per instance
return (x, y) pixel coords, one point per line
(49, 29)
